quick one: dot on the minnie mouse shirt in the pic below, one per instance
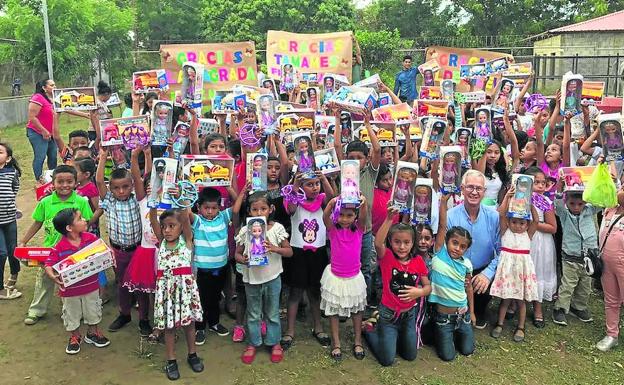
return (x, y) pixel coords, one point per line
(395, 276)
(308, 230)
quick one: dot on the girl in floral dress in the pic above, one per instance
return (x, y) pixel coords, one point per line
(177, 303)
(515, 278)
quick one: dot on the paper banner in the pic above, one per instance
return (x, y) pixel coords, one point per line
(320, 53)
(450, 59)
(225, 64)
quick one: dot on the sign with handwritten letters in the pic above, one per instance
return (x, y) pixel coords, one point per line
(451, 59)
(321, 53)
(225, 64)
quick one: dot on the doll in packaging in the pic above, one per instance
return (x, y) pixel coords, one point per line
(520, 203)
(483, 125)
(423, 199)
(450, 169)
(257, 234)
(162, 115)
(304, 153)
(405, 179)
(350, 182)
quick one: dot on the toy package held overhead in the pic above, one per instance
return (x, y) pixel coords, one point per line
(289, 79)
(192, 91)
(257, 171)
(295, 121)
(384, 99)
(430, 92)
(149, 81)
(385, 132)
(503, 94)
(329, 87)
(470, 97)
(462, 139)
(371, 81)
(423, 201)
(571, 93)
(223, 103)
(404, 182)
(162, 118)
(496, 66)
(125, 131)
(428, 70)
(164, 172)
(325, 126)
(393, 113)
(311, 78)
(269, 84)
(266, 112)
(574, 178)
(207, 170)
(327, 161)
(74, 99)
(424, 107)
(360, 133)
(483, 124)
(520, 203)
(472, 71)
(593, 92)
(610, 126)
(256, 235)
(85, 263)
(313, 99)
(346, 126)
(447, 87)
(350, 182)
(114, 100)
(207, 126)
(355, 99)
(180, 138)
(450, 169)
(519, 72)
(432, 138)
(304, 153)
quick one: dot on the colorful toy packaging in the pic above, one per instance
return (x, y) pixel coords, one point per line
(574, 178)
(256, 233)
(610, 126)
(114, 100)
(450, 169)
(207, 170)
(423, 201)
(425, 107)
(327, 161)
(350, 182)
(192, 91)
(346, 126)
(74, 99)
(571, 93)
(207, 126)
(428, 70)
(257, 171)
(84, 263)
(149, 81)
(180, 137)
(462, 138)
(593, 92)
(503, 94)
(304, 152)
(313, 98)
(432, 138)
(355, 99)
(483, 124)
(447, 87)
(497, 66)
(162, 120)
(520, 203)
(164, 173)
(295, 121)
(128, 132)
(266, 112)
(404, 182)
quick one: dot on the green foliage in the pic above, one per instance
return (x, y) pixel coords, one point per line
(233, 20)
(160, 22)
(381, 52)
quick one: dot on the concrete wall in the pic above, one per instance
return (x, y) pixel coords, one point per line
(13, 111)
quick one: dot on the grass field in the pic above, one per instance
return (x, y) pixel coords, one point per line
(35, 355)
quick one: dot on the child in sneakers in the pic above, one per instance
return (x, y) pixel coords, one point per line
(579, 235)
(81, 300)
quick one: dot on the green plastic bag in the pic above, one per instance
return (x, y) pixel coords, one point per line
(600, 190)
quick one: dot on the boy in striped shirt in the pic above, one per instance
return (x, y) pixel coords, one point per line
(210, 239)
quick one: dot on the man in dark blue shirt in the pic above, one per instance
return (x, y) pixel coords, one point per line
(405, 81)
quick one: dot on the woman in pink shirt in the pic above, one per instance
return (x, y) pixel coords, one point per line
(40, 127)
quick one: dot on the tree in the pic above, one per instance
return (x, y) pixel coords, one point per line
(381, 52)
(168, 21)
(233, 20)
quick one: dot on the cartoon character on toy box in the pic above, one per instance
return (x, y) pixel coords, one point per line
(432, 138)
(520, 203)
(462, 139)
(447, 87)
(257, 171)
(256, 233)
(114, 100)
(355, 99)
(240, 102)
(472, 71)
(180, 137)
(124, 131)
(304, 153)
(289, 79)
(74, 99)
(428, 70)
(313, 98)
(424, 107)
(450, 169)
(423, 201)
(207, 126)
(404, 182)
(384, 99)
(571, 93)
(207, 170)
(162, 118)
(192, 90)
(327, 161)
(350, 182)
(575, 178)
(611, 135)
(483, 124)
(269, 84)
(164, 173)
(346, 126)
(149, 81)
(266, 112)
(502, 95)
(85, 263)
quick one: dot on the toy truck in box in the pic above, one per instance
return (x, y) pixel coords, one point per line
(84, 263)
(207, 170)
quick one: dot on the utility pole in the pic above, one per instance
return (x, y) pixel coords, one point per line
(46, 29)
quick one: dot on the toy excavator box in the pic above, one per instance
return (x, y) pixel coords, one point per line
(74, 99)
(149, 81)
(207, 170)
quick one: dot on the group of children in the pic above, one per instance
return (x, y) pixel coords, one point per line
(420, 289)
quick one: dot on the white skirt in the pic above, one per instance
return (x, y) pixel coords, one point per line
(342, 296)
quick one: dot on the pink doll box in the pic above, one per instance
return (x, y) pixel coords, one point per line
(257, 171)
(304, 152)
(256, 236)
(423, 201)
(403, 188)
(450, 169)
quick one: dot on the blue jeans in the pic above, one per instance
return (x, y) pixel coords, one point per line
(263, 302)
(366, 257)
(453, 331)
(41, 149)
(8, 241)
(394, 335)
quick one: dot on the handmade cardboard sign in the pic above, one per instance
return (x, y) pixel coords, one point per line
(225, 64)
(423, 201)
(571, 93)
(74, 99)
(207, 170)
(164, 172)
(149, 81)
(162, 118)
(320, 53)
(125, 131)
(404, 182)
(520, 203)
(256, 235)
(450, 169)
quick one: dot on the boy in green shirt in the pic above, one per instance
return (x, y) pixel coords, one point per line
(64, 196)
